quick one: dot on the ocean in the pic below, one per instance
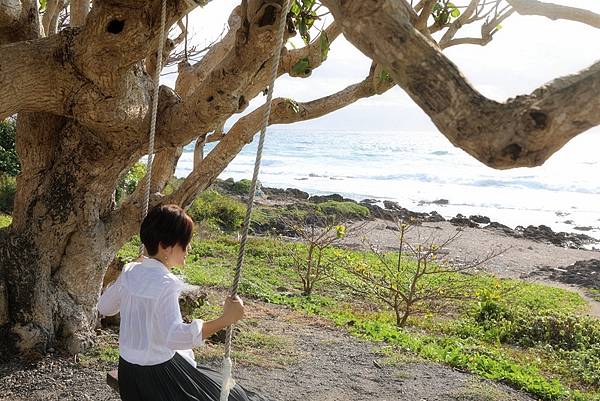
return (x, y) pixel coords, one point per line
(415, 168)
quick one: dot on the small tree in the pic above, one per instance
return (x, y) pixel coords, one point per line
(311, 260)
(412, 278)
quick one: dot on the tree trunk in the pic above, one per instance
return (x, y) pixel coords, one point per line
(55, 254)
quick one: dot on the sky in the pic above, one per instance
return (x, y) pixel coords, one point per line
(526, 53)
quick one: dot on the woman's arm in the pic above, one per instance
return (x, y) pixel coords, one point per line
(233, 310)
(110, 301)
(180, 335)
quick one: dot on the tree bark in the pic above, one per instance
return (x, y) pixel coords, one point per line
(522, 132)
(555, 11)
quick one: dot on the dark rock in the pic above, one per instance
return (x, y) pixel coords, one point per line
(480, 219)
(377, 211)
(586, 228)
(545, 234)
(440, 202)
(390, 205)
(220, 336)
(370, 201)
(584, 273)
(568, 222)
(332, 197)
(462, 221)
(296, 193)
(274, 192)
(435, 217)
(501, 227)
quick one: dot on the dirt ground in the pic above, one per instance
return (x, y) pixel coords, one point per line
(329, 365)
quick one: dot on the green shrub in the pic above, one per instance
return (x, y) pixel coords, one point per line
(129, 181)
(172, 185)
(349, 210)
(566, 332)
(213, 207)
(8, 187)
(9, 162)
(242, 187)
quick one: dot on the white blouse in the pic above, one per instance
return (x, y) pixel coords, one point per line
(152, 329)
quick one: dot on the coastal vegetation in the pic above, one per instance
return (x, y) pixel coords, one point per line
(533, 337)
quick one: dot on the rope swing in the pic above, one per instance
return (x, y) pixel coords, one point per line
(228, 381)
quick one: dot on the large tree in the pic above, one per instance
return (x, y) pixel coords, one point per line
(79, 79)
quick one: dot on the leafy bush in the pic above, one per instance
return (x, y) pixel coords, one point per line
(129, 181)
(213, 207)
(9, 162)
(566, 332)
(242, 187)
(8, 186)
(341, 210)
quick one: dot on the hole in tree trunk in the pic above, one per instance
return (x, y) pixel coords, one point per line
(268, 18)
(513, 150)
(115, 26)
(540, 119)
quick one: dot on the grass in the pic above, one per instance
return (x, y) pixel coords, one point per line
(528, 336)
(106, 350)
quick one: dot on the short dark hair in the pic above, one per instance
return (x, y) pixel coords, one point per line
(167, 225)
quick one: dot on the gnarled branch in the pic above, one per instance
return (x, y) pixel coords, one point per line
(523, 132)
(284, 111)
(555, 11)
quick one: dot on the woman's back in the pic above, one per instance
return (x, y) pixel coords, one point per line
(146, 295)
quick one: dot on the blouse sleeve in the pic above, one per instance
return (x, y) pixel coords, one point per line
(178, 335)
(110, 300)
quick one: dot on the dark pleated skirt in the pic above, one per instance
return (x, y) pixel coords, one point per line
(175, 380)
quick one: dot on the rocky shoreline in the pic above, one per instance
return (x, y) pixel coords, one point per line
(292, 198)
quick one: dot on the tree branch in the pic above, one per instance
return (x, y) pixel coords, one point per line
(52, 8)
(313, 53)
(30, 78)
(79, 11)
(555, 11)
(192, 76)
(284, 111)
(225, 90)
(523, 132)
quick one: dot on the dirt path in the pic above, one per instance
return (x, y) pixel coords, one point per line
(329, 365)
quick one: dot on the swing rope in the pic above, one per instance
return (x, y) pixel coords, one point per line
(228, 381)
(159, 56)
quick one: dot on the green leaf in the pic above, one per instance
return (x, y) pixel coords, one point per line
(295, 9)
(324, 46)
(301, 66)
(454, 11)
(384, 76)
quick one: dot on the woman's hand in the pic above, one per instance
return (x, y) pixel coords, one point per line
(233, 310)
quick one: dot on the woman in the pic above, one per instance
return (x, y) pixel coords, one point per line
(155, 345)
